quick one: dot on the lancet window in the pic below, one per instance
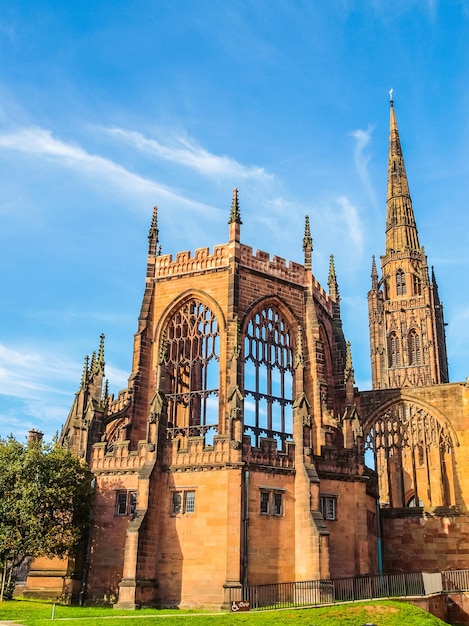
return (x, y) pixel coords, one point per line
(411, 451)
(268, 376)
(417, 286)
(192, 351)
(394, 350)
(415, 356)
(400, 283)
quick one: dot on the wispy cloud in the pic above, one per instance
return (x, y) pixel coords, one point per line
(39, 142)
(184, 151)
(362, 159)
(28, 374)
(351, 219)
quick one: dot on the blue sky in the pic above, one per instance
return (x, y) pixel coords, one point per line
(108, 108)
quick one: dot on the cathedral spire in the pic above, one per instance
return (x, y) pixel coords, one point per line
(401, 230)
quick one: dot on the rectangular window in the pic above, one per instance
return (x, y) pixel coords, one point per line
(189, 502)
(176, 506)
(126, 502)
(265, 502)
(278, 504)
(328, 504)
(271, 502)
(183, 501)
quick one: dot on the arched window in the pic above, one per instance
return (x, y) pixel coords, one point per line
(400, 283)
(192, 353)
(268, 376)
(417, 286)
(394, 350)
(415, 356)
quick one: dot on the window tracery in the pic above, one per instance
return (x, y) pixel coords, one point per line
(400, 283)
(268, 376)
(415, 356)
(394, 350)
(411, 450)
(192, 344)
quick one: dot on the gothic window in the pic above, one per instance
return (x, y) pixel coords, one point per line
(268, 376)
(192, 351)
(394, 350)
(400, 283)
(415, 356)
(417, 286)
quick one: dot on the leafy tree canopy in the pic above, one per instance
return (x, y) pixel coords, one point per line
(45, 499)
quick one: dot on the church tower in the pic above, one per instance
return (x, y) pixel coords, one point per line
(407, 334)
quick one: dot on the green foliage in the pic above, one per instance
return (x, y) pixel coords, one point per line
(383, 613)
(45, 498)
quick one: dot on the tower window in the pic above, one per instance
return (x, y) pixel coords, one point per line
(394, 350)
(417, 286)
(400, 283)
(415, 357)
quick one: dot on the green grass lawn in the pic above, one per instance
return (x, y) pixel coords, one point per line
(381, 613)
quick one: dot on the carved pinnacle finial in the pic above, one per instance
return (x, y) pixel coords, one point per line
(307, 244)
(332, 281)
(101, 352)
(235, 215)
(349, 374)
(307, 239)
(153, 232)
(84, 376)
(374, 274)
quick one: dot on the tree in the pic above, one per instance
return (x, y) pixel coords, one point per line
(45, 500)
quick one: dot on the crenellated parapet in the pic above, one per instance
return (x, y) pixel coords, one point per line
(122, 402)
(197, 454)
(267, 454)
(293, 272)
(184, 263)
(120, 458)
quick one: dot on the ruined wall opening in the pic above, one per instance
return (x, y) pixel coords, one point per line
(192, 368)
(268, 377)
(411, 450)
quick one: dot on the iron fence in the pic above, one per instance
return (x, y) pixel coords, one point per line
(329, 591)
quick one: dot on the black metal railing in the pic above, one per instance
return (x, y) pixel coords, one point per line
(329, 591)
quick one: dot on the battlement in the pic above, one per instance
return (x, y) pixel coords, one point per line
(293, 272)
(123, 400)
(321, 295)
(184, 263)
(119, 457)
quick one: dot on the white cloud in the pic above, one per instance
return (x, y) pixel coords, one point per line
(29, 375)
(352, 222)
(39, 142)
(185, 151)
(362, 159)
